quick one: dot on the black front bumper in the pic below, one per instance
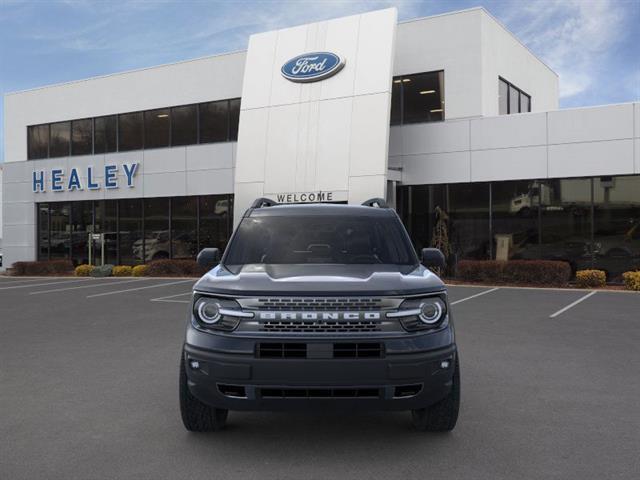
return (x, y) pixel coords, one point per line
(411, 374)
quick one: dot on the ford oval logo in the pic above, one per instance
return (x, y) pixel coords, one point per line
(311, 67)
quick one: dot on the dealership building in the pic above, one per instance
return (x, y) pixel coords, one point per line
(450, 118)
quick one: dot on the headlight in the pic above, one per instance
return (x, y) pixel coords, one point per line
(208, 311)
(218, 313)
(421, 313)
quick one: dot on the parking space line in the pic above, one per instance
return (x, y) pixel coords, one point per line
(475, 296)
(44, 284)
(571, 305)
(169, 298)
(141, 288)
(109, 283)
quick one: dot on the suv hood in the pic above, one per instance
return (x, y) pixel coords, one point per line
(343, 280)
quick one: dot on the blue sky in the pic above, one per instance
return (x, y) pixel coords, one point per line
(594, 45)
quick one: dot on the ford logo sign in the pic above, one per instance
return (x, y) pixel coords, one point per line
(311, 67)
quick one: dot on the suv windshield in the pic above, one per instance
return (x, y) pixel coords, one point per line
(320, 239)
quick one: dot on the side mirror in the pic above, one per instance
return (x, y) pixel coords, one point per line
(208, 258)
(433, 257)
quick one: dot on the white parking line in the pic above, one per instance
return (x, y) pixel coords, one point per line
(140, 288)
(474, 296)
(571, 305)
(43, 284)
(169, 298)
(88, 286)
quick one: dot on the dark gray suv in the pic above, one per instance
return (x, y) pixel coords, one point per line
(315, 307)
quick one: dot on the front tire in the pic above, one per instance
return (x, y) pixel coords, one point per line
(198, 416)
(441, 416)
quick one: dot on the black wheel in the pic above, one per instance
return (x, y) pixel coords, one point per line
(198, 416)
(442, 416)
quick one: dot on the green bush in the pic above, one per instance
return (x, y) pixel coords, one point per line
(532, 272)
(175, 268)
(84, 270)
(46, 267)
(140, 270)
(122, 271)
(591, 278)
(631, 280)
(102, 271)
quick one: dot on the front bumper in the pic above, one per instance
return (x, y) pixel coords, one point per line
(409, 375)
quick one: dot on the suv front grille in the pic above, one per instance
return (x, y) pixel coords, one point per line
(318, 304)
(320, 326)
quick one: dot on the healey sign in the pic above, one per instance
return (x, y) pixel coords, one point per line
(312, 67)
(57, 181)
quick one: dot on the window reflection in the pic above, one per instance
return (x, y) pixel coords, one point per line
(60, 238)
(105, 134)
(82, 137)
(156, 230)
(131, 239)
(184, 125)
(184, 227)
(59, 139)
(38, 141)
(130, 131)
(214, 121)
(156, 128)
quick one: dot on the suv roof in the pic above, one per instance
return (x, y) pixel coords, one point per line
(319, 209)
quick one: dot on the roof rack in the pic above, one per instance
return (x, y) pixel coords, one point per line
(375, 202)
(263, 202)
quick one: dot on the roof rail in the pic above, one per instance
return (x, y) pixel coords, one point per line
(375, 202)
(263, 202)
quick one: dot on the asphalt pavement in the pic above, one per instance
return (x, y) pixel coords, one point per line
(88, 390)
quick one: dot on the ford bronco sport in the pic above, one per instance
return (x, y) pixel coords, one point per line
(319, 306)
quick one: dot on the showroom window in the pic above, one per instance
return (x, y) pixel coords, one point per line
(59, 139)
(159, 128)
(38, 141)
(105, 134)
(417, 98)
(586, 222)
(511, 99)
(130, 131)
(82, 137)
(135, 230)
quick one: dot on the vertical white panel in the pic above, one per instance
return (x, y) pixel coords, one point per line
(334, 133)
(256, 86)
(369, 135)
(376, 43)
(252, 145)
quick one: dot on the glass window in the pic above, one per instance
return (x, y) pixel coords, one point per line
(105, 134)
(214, 221)
(565, 214)
(130, 231)
(59, 139)
(396, 101)
(156, 229)
(525, 102)
(157, 125)
(320, 239)
(38, 141)
(421, 98)
(503, 97)
(234, 118)
(60, 237)
(43, 231)
(81, 137)
(130, 131)
(214, 121)
(514, 100)
(184, 227)
(184, 125)
(81, 227)
(106, 222)
(469, 235)
(617, 224)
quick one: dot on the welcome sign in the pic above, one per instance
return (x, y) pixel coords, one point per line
(57, 180)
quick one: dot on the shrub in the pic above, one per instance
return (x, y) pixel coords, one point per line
(46, 267)
(102, 271)
(122, 271)
(631, 280)
(536, 272)
(174, 268)
(591, 278)
(84, 270)
(140, 270)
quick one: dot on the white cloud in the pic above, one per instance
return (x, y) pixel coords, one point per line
(573, 36)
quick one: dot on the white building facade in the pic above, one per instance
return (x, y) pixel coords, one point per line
(446, 116)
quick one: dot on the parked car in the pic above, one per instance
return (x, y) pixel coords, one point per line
(317, 307)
